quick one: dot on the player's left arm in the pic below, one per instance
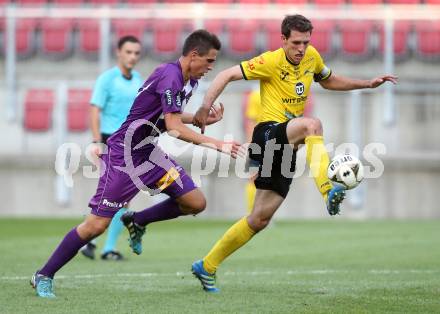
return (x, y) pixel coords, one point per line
(342, 83)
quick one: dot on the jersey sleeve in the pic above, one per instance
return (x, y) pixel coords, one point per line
(322, 72)
(258, 68)
(100, 92)
(169, 88)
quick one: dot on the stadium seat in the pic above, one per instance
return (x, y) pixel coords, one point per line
(167, 35)
(401, 34)
(403, 1)
(322, 37)
(428, 39)
(328, 3)
(432, 1)
(89, 39)
(242, 37)
(219, 1)
(103, 2)
(31, 2)
(38, 108)
(57, 37)
(272, 32)
(69, 3)
(134, 27)
(215, 26)
(356, 39)
(25, 43)
(290, 1)
(355, 2)
(78, 109)
(254, 1)
(140, 2)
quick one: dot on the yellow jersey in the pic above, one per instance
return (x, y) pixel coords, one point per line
(253, 106)
(284, 86)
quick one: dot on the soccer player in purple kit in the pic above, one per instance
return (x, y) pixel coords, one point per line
(134, 161)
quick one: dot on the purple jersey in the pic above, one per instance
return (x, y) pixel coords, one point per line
(163, 92)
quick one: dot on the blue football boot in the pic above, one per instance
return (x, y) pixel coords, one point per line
(43, 285)
(334, 198)
(206, 279)
(136, 232)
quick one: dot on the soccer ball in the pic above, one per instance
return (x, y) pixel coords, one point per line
(346, 170)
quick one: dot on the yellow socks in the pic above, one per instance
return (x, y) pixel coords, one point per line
(318, 160)
(250, 195)
(238, 235)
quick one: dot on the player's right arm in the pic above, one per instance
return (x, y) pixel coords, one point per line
(176, 128)
(218, 85)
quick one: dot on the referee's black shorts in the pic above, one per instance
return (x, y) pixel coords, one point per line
(270, 172)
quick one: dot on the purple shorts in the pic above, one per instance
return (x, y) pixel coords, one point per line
(121, 179)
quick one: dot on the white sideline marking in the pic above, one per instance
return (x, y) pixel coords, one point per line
(249, 273)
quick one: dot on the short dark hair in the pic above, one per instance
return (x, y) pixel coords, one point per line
(128, 38)
(202, 41)
(295, 22)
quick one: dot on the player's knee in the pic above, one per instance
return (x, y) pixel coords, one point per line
(258, 223)
(312, 126)
(198, 206)
(194, 206)
(94, 228)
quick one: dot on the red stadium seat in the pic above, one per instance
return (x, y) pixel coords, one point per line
(89, 41)
(432, 1)
(242, 37)
(254, 1)
(428, 39)
(140, 1)
(356, 38)
(56, 35)
(403, 1)
(272, 31)
(215, 26)
(134, 27)
(68, 2)
(38, 108)
(401, 33)
(290, 1)
(103, 2)
(31, 2)
(25, 36)
(78, 109)
(218, 1)
(167, 36)
(328, 2)
(355, 2)
(322, 37)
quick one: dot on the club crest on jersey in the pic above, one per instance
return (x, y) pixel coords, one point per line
(284, 75)
(299, 88)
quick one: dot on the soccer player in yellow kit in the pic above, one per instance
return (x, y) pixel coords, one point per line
(285, 77)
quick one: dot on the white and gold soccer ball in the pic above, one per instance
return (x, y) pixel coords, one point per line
(346, 170)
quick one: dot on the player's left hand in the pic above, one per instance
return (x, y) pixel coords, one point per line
(199, 119)
(382, 79)
(215, 114)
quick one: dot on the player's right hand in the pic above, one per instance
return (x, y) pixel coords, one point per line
(97, 149)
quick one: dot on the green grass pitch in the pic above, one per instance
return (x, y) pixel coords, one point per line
(331, 266)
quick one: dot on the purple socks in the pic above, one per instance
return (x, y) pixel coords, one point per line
(65, 251)
(165, 210)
